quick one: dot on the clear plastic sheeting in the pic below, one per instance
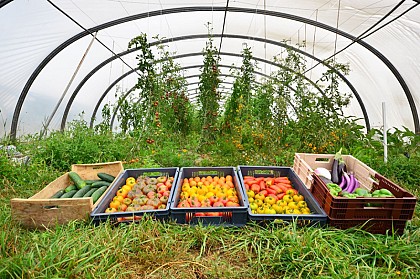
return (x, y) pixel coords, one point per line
(39, 82)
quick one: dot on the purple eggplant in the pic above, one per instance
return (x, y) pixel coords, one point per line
(343, 183)
(334, 170)
(341, 168)
(351, 184)
(355, 184)
(347, 179)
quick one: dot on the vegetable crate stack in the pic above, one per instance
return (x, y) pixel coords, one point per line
(354, 195)
(71, 196)
(277, 194)
(135, 193)
(209, 195)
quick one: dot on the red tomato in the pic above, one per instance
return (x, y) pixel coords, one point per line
(232, 204)
(271, 191)
(199, 214)
(256, 188)
(216, 214)
(218, 204)
(262, 185)
(264, 192)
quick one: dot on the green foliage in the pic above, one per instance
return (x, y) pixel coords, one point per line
(209, 97)
(238, 106)
(79, 144)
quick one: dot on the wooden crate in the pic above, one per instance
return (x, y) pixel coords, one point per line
(305, 163)
(39, 211)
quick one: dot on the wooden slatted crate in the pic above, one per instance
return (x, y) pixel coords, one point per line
(40, 211)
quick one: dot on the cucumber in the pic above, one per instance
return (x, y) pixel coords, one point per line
(106, 177)
(68, 194)
(82, 191)
(90, 192)
(78, 181)
(98, 193)
(70, 188)
(91, 181)
(58, 194)
(101, 183)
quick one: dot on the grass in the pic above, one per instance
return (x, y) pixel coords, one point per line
(154, 249)
(151, 249)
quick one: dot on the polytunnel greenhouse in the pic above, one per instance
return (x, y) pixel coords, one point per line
(209, 139)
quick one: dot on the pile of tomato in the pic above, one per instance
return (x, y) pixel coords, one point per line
(274, 195)
(208, 192)
(141, 193)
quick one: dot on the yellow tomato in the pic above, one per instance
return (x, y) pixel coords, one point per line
(293, 205)
(201, 191)
(281, 203)
(259, 197)
(269, 210)
(260, 210)
(302, 204)
(193, 189)
(220, 194)
(287, 198)
(184, 195)
(250, 193)
(251, 200)
(126, 188)
(253, 206)
(210, 194)
(305, 210)
(277, 208)
(201, 198)
(296, 211)
(130, 181)
(270, 200)
(298, 197)
(258, 202)
(185, 187)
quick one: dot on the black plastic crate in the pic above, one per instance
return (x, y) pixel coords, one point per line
(230, 216)
(317, 216)
(99, 214)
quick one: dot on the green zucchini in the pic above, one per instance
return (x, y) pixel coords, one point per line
(98, 193)
(78, 181)
(70, 188)
(91, 181)
(68, 194)
(101, 183)
(82, 191)
(106, 177)
(58, 194)
(90, 192)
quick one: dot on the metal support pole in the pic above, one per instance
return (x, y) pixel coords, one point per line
(45, 128)
(385, 133)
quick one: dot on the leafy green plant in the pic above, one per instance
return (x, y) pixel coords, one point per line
(209, 97)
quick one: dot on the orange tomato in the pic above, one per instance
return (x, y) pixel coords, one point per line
(229, 184)
(122, 207)
(118, 198)
(114, 204)
(123, 193)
